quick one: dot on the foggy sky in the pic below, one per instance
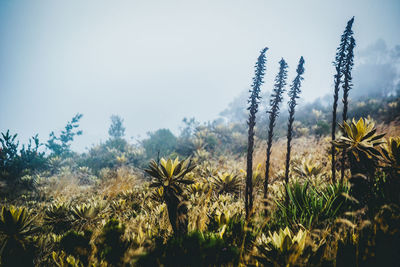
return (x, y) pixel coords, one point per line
(155, 62)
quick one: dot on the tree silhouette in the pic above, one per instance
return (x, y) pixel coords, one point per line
(116, 130)
(61, 145)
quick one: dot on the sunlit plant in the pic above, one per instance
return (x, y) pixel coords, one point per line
(281, 248)
(391, 153)
(227, 183)
(361, 143)
(170, 176)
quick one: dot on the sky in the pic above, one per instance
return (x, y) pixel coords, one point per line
(156, 62)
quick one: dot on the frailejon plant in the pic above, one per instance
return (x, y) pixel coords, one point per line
(170, 176)
(200, 188)
(308, 168)
(276, 99)
(16, 228)
(391, 166)
(339, 62)
(86, 213)
(281, 248)
(258, 179)
(391, 153)
(60, 259)
(293, 94)
(226, 183)
(58, 217)
(346, 88)
(253, 108)
(361, 144)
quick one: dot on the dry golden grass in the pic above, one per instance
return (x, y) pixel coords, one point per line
(118, 181)
(392, 129)
(302, 147)
(64, 187)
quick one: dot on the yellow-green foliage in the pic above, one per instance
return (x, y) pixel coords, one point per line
(169, 173)
(16, 223)
(86, 213)
(281, 248)
(360, 139)
(16, 230)
(391, 152)
(62, 260)
(308, 168)
(57, 216)
(317, 227)
(226, 183)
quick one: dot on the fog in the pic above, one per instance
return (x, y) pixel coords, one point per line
(156, 62)
(377, 72)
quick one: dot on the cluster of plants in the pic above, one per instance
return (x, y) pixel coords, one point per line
(219, 194)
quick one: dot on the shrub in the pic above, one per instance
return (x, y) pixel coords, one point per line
(159, 143)
(16, 163)
(78, 245)
(110, 245)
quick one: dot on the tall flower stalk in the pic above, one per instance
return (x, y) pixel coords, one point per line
(346, 88)
(293, 95)
(338, 63)
(275, 101)
(254, 100)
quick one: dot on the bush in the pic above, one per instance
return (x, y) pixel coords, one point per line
(110, 245)
(78, 245)
(111, 154)
(16, 163)
(159, 143)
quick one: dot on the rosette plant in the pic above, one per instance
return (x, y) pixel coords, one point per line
(16, 229)
(227, 183)
(391, 153)
(281, 248)
(170, 176)
(361, 144)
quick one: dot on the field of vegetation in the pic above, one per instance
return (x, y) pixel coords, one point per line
(316, 186)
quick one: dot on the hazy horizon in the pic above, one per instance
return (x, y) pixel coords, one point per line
(156, 62)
